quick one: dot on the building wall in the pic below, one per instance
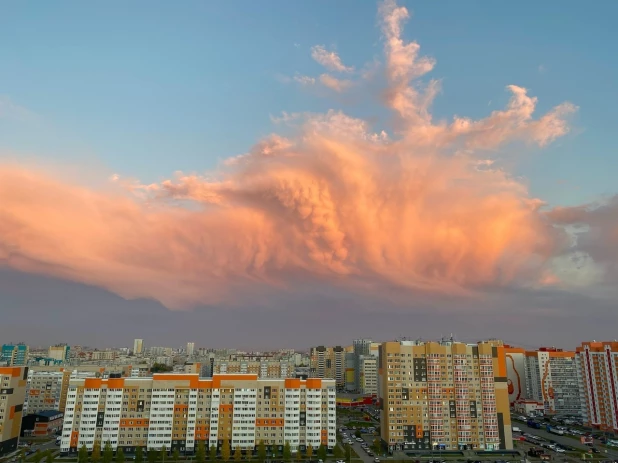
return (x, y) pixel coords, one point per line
(47, 390)
(449, 394)
(328, 362)
(551, 378)
(14, 355)
(598, 376)
(12, 393)
(368, 368)
(516, 373)
(180, 410)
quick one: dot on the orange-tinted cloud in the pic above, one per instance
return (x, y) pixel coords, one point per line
(335, 202)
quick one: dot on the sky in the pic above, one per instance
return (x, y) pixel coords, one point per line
(307, 173)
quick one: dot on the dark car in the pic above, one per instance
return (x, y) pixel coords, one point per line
(594, 450)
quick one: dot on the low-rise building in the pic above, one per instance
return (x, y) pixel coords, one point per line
(41, 424)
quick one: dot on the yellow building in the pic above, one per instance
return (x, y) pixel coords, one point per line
(12, 393)
(445, 395)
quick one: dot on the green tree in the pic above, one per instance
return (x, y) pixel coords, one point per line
(200, 453)
(139, 455)
(338, 452)
(225, 450)
(237, 453)
(49, 458)
(95, 456)
(213, 452)
(357, 433)
(309, 451)
(287, 451)
(176, 455)
(160, 368)
(152, 456)
(119, 456)
(377, 445)
(82, 455)
(348, 453)
(38, 456)
(322, 452)
(299, 455)
(261, 452)
(108, 453)
(163, 453)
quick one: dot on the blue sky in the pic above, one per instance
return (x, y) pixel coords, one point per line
(148, 88)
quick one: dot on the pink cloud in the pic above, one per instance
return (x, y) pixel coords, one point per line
(337, 85)
(329, 59)
(334, 202)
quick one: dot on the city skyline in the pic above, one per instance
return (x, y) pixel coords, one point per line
(287, 193)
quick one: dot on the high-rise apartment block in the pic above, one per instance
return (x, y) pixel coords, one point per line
(138, 346)
(14, 355)
(597, 371)
(47, 390)
(551, 378)
(180, 410)
(12, 394)
(328, 362)
(190, 348)
(367, 367)
(445, 395)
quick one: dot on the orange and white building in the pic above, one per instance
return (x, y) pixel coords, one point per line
(598, 378)
(180, 410)
(444, 395)
(551, 379)
(515, 373)
(12, 393)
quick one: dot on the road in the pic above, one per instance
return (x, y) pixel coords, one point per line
(564, 440)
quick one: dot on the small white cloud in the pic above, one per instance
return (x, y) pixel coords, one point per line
(329, 59)
(304, 80)
(542, 69)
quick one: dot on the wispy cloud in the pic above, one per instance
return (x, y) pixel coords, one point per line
(11, 110)
(542, 69)
(329, 59)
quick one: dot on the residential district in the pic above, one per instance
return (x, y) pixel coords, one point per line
(369, 400)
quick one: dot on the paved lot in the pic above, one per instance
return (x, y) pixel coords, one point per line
(613, 454)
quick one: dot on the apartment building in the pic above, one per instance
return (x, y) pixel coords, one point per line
(12, 393)
(551, 379)
(598, 379)
(328, 362)
(368, 375)
(138, 346)
(180, 410)
(14, 355)
(47, 390)
(59, 352)
(264, 369)
(444, 395)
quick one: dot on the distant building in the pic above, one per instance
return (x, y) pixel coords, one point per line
(368, 375)
(362, 347)
(264, 369)
(328, 362)
(59, 352)
(190, 348)
(12, 394)
(14, 355)
(138, 346)
(597, 373)
(47, 390)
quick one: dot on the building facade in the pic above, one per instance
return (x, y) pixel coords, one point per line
(190, 349)
(445, 395)
(138, 346)
(368, 375)
(12, 394)
(180, 410)
(328, 362)
(264, 369)
(47, 390)
(516, 373)
(551, 379)
(60, 352)
(14, 355)
(597, 371)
